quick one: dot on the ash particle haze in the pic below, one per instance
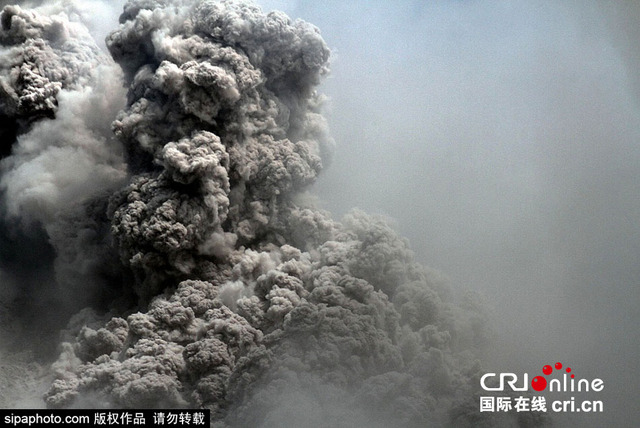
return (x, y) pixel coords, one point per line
(168, 182)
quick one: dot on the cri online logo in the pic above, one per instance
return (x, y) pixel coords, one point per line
(539, 383)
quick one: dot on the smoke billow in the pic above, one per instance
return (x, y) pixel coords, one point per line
(58, 93)
(178, 216)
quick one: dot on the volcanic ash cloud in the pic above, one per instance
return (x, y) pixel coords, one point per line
(58, 157)
(243, 298)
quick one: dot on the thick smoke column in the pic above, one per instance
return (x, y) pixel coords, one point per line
(58, 95)
(221, 98)
(243, 297)
(51, 68)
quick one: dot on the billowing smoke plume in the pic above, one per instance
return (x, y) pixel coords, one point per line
(58, 95)
(215, 281)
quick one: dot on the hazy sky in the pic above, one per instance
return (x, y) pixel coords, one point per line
(503, 139)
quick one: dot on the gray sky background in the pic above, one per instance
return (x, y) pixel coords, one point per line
(503, 139)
